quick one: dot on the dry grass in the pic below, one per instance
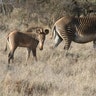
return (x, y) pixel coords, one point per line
(53, 75)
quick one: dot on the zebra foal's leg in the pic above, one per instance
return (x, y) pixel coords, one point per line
(28, 55)
(34, 54)
(94, 43)
(11, 55)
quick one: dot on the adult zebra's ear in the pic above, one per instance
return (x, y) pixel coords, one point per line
(46, 31)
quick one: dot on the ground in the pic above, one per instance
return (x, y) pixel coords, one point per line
(54, 74)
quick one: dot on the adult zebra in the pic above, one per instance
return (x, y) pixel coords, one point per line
(77, 29)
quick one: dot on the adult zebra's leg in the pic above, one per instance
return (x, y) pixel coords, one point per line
(67, 46)
(67, 40)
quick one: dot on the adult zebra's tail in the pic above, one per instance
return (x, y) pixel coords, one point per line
(6, 43)
(56, 36)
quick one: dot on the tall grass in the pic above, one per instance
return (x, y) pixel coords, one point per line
(53, 75)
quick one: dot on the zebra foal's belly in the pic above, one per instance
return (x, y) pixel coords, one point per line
(84, 38)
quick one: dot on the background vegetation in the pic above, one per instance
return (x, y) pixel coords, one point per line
(54, 74)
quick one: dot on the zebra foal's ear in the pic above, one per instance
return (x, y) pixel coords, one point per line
(39, 30)
(46, 31)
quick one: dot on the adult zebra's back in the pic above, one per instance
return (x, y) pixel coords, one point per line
(79, 30)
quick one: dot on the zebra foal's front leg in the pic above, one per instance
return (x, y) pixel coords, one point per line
(94, 43)
(28, 55)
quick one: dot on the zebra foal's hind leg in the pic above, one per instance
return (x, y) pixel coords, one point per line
(10, 57)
